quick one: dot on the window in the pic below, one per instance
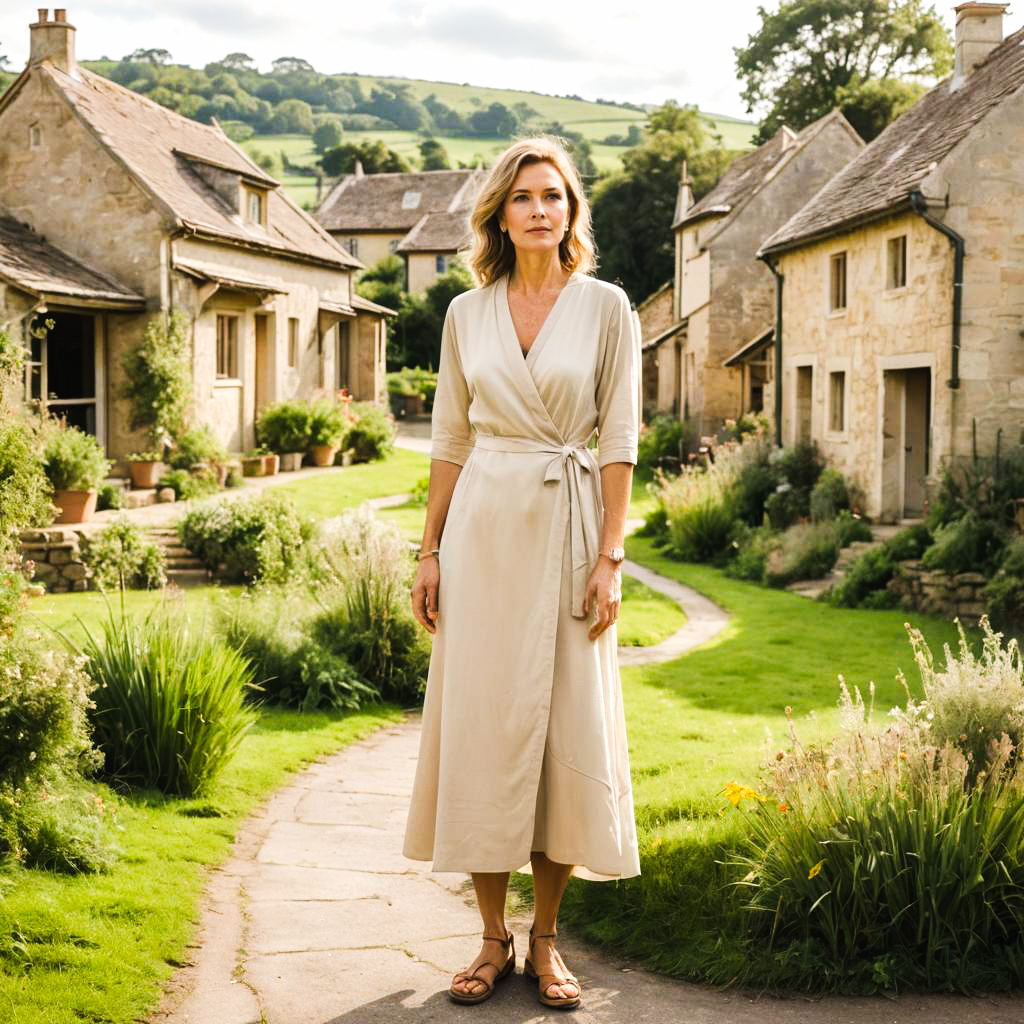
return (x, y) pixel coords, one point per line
(35, 136)
(837, 282)
(353, 247)
(441, 263)
(393, 245)
(227, 346)
(836, 400)
(255, 206)
(293, 341)
(897, 263)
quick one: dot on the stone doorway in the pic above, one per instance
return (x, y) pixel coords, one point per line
(906, 442)
(64, 368)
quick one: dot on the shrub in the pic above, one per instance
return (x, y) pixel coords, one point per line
(864, 585)
(753, 549)
(285, 427)
(802, 464)
(807, 551)
(829, 496)
(1004, 595)
(328, 423)
(890, 858)
(73, 460)
(187, 485)
(197, 446)
(785, 507)
(664, 443)
(852, 528)
(24, 487)
(158, 378)
(372, 434)
(109, 497)
(270, 627)
(120, 556)
(365, 566)
(169, 702)
(249, 540)
(987, 486)
(968, 544)
(701, 515)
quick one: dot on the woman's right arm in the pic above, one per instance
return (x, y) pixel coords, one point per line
(443, 476)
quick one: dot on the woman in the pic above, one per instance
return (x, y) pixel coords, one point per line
(523, 752)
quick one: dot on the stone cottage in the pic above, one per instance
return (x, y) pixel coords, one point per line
(422, 217)
(902, 284)
(722, 297)
(114, 210)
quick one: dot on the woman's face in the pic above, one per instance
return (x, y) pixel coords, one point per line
(536, 210)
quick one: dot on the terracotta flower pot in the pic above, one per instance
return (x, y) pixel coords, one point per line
(145, 474)
(252, 465)
(271, 463)
(75, 506)
(323, 454)
(291, 461)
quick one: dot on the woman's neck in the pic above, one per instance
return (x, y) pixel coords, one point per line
(535, 273)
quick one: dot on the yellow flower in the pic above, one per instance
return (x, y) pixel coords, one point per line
(816, 870)
(736, 794)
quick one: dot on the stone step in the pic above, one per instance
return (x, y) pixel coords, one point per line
(139, 499)
(188, 577)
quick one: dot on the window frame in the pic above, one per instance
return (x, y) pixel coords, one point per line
(249, 195)
(440, 263)
(837, 282)
(293, 342)
(896, 268)
(227, 348)
(837, 401)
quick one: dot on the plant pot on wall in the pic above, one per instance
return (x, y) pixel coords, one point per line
(75, 506)
(271, 464)
(323, 454)
(291, 461)
(145, 474)
(252, 465)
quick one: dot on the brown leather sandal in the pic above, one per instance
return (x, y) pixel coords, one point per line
(504, 970)
(545, 981)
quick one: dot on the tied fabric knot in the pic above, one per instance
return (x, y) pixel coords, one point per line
(569, 465)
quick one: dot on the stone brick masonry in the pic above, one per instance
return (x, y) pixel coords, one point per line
(938, 593)
(56, 552)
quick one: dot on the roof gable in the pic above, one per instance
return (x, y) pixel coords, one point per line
(166, 152)
(881, 178)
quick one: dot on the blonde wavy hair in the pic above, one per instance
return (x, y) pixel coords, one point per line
(491, 254)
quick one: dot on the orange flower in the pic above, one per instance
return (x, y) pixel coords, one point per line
(816, 870)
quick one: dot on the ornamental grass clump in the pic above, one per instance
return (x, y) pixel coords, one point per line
(894, 856)
(700, 509)
(170, 708)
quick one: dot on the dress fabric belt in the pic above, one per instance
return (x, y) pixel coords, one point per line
(565, 468)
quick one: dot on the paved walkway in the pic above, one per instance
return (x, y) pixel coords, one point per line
(318, 919)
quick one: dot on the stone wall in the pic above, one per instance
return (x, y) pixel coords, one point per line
(56, 552)
(951, 595)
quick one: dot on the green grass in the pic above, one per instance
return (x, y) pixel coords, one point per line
(709, 718)
(647, 617)
(98, 948)
(330, 494)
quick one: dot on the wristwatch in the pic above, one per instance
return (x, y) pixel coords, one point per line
(616, 555)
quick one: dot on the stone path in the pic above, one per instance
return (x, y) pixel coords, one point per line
(318, 919)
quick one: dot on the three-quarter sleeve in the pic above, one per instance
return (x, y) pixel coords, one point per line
(451, 437)
(618, 387)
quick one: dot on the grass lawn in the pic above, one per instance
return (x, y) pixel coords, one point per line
(709, 718)
(98, 948)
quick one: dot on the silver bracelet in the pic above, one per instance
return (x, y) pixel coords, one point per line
(428, 554)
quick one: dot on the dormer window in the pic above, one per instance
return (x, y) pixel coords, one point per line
(255, 206)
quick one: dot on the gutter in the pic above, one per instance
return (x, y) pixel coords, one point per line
(919, 205)
(780, 279)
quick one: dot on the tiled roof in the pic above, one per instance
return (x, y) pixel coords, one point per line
(896, 163)
(33, 264)
(749, 172)
(395, 202)
(438, 232)
(165, 153)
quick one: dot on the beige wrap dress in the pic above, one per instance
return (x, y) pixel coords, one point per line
(523, 744)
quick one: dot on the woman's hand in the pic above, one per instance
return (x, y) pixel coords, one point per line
(604, 596)
(424, 593)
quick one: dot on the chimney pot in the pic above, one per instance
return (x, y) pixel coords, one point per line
(60, 14)
(44, 13)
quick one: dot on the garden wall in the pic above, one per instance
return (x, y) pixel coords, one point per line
(938, 593)
(56, 552)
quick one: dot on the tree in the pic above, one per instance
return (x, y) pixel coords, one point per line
(238, 62)
(375, 157)
(633, 209)
(811, 56)
(433, 156)
(327, 135)
(415, 338)
(4, 60)
(397, 104)
(290, 65)
(156, 57)
(496, 121)
(384, 283)
(292, 117)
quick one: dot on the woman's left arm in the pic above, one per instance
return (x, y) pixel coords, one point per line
(618, 430)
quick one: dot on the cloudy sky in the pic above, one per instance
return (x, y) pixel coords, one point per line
(642, 50)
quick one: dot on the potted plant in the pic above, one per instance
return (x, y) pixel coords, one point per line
(284, 428)
(145, 468)
(252, 463)
(271, 463)
(198, 450)
(327, 428)
(75, 464)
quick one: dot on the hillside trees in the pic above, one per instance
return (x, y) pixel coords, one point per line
(633, 209)
(870, 58)
(375, 157)
(433, 156)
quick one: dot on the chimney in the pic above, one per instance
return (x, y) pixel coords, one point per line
(979, 30)
(53, 41)
(684, 197)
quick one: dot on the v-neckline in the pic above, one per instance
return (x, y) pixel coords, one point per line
(549, 319)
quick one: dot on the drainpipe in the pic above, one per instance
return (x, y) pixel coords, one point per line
(919, 205)
(780, 279)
